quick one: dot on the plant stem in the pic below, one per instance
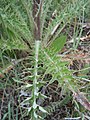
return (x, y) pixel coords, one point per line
(35, 88)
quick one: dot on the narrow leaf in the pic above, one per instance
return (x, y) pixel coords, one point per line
(41, 109)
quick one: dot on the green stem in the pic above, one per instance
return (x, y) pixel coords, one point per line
(35, 88)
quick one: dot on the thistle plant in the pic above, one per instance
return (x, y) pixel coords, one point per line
(29, 25)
